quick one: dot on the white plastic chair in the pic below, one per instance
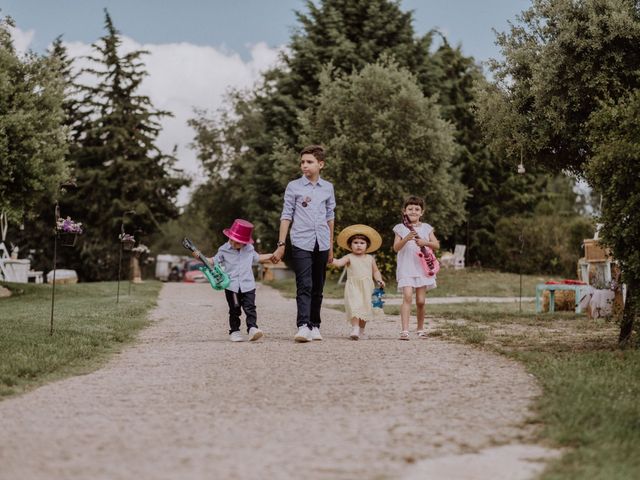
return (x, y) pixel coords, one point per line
(458, 256)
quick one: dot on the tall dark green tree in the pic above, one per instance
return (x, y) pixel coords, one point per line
(564, 61)
(32, 139)
(348, 34)
(117, 164)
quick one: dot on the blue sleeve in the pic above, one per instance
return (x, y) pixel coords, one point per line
(289, 203)
(219, 257)
(331, 205)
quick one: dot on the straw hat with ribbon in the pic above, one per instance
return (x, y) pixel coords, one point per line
(374, 237)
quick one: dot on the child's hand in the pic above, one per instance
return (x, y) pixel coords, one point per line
(410, 236)
(422, 242)
(194, 254)
(381, 283)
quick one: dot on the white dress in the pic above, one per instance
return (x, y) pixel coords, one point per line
(409, 270)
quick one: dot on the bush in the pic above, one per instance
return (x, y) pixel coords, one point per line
(550, 244)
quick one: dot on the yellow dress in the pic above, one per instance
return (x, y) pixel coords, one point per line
(359, 287)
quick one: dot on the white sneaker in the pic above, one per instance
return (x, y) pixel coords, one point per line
(303, 335)
(315, 333)
(236, 337)
(255, 334)
(355, 333)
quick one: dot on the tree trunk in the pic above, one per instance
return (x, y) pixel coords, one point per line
(630, 310)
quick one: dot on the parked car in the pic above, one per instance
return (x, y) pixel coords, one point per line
(191, 272)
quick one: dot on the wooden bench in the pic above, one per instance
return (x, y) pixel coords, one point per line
(552, 288)
(37, 275)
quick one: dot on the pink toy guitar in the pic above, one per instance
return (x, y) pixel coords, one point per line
(427, 258)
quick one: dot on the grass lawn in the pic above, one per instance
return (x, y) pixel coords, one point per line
(590, 404)
(88, 325)
(473, 282)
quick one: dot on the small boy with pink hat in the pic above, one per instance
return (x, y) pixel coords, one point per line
(237, 257)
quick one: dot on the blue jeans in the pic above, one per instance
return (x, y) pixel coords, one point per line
(311, 271)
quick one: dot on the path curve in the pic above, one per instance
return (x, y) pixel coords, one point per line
(184, 402)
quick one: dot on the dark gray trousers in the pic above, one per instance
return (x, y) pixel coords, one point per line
(311, 271)
(246, 301)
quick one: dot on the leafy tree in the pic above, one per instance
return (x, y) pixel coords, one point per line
(563, 61)
(385, 141)
(32, 137)
(36, 237)
(265, 121)
(117, 164)
(613, 170)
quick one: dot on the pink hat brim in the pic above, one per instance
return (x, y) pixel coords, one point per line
(233, 237)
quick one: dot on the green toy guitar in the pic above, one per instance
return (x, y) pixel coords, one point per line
(218, 278)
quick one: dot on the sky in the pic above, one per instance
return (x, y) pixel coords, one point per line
(199, 49)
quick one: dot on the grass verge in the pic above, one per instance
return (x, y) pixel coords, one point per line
(88, 325)
(467, 282)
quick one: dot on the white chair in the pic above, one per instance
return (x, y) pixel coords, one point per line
(458, 256)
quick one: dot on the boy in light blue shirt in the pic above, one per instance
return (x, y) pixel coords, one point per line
(237, 257)
(309, 204)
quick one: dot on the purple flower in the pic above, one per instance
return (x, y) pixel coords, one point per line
(67, 225)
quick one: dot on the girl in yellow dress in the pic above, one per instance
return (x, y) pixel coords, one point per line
(361, 271)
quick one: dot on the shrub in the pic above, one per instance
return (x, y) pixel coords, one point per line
(550, 244)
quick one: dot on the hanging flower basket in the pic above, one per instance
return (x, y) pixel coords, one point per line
(141, 250)
(67, 231)
(127, 241)
(67, 239)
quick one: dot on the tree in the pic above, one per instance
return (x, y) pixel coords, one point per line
(613, 170)
(117, 164)
(38, 228)
(386, 141)
(32, 136)
(265, 121)
(563, 62)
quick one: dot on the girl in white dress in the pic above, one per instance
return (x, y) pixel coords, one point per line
(361, 271)
(410, 272)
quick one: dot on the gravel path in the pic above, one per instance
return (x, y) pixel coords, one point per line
(184, 402)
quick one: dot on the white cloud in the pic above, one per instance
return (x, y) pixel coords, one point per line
(21, 39)
(182, 76)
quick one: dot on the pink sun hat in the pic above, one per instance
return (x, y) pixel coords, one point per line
(240, 231)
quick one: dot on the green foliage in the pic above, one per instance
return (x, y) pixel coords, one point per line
(32, 137)
(385, 141)
(561, 60)
(613, 170)
(548, 244)
(564, 62)
(256, 144)
(117, 164)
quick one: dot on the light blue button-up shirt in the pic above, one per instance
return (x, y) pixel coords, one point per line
(309, 206)
(238, 263)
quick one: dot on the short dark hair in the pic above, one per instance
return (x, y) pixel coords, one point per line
(315, 150)
(359, 236)
(414, 200)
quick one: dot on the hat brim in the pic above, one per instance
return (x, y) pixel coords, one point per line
(230, 235)
(375, 240)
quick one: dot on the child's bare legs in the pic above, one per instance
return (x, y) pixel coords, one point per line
(355, 331)
(421, 293)
(405, 309)
(362, 324)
